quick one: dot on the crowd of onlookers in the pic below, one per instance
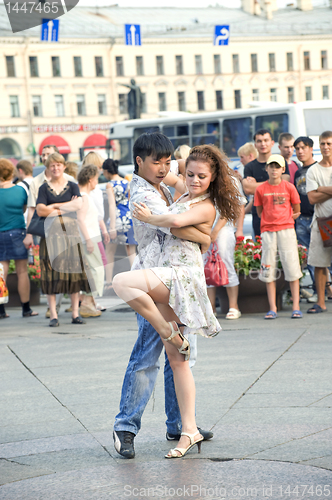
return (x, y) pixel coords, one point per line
(84, 224)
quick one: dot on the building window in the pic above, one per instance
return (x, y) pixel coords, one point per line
(237, 98)
(80, 101)
(102, 109)
(273, 95)
(200, 100)
(290, 66)
(33, 66)
(59, 105)
(236, 63)
(119, 66)
(144, 107)
(99, 66)
(139, 66)
(179, 65)
(160, 65)
(36, 105)
(78, 66)
(198, 65)
(162, 101)
(291, 94)
(308, 94)
(254, 64)
(122, 104)
(255, 94)
(219, 99)
(272, 62)
(56, 66)
(217, 64)
(306, 60)
(323, 58)
(10, 66)
(182, 101)
(325, 89)
(14, 107)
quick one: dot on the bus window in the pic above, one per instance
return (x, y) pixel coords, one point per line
(121, 151)
(206, 133)
(317, 120)
(277, 124)
(236, 132)
(178, 135)
(144, 130)
(169, 131)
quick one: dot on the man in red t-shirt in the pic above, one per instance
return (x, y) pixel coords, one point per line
(278, 205)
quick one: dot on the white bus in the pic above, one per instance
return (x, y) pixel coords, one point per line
(226, 129)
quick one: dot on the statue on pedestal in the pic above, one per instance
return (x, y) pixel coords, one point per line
(135, 99)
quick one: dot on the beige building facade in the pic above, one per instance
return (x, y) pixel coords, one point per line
(76, 88)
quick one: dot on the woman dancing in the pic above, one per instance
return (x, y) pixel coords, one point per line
(173, 295)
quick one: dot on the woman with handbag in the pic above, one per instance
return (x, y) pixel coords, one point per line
(61, 258)
(173, 295)
(13, 200)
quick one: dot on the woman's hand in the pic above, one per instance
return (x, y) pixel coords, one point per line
(141, 212)
(89, 246)
(106, 238)
(296, 215)
(112, 233)
(214, 235)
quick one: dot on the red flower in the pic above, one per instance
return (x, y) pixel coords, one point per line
(257, 256)
(239, 238)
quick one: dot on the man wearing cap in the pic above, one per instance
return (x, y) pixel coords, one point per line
(255, 171)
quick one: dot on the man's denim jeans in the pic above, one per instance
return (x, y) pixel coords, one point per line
(140, 379)
(303, 231)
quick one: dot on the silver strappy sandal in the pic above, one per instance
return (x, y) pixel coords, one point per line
(185, 347)
(180, 452)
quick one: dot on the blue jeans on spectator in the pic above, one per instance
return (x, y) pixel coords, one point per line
(303, 231)
(140, 379)
(256, 226)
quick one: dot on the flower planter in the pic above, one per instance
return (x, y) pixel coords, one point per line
(14, 298)
(252, 294)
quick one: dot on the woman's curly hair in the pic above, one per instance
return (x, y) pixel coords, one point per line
(223, 191)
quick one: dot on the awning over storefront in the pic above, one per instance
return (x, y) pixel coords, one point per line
(95, 140)
(58, 141)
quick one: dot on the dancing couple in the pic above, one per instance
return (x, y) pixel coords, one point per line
(166, 285)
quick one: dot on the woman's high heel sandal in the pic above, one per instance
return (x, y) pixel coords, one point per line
(185, 347)
(180, 452)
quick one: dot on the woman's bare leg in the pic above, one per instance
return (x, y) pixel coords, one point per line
(51, 299)
(131, 252)
(142, 290)
(75, 298)
(110, 250)
(23, 282)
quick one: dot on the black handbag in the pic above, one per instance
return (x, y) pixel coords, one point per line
(36, 226)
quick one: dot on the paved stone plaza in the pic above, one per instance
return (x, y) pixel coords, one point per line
(263, 387)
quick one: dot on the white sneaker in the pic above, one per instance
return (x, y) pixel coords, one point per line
(305, 294)
(314, 298)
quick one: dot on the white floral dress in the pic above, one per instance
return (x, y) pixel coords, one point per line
(181, 269)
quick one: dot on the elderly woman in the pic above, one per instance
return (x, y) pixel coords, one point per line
(61, 258)
(13, 200)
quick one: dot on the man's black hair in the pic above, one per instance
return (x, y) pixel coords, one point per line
(155, 144)
(306, 141)
(263, 131)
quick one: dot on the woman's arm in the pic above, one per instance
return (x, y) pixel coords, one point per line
(111, 210)
(218, 226)
(196, 215)
(59, 208)
(176, 182)
(81, 214)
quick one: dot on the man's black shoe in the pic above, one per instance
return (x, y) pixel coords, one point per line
(176, 437)
(124, 443)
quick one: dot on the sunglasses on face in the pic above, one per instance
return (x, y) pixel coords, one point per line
(274, 166)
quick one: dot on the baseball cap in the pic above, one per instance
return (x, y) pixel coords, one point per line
(276, 159)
